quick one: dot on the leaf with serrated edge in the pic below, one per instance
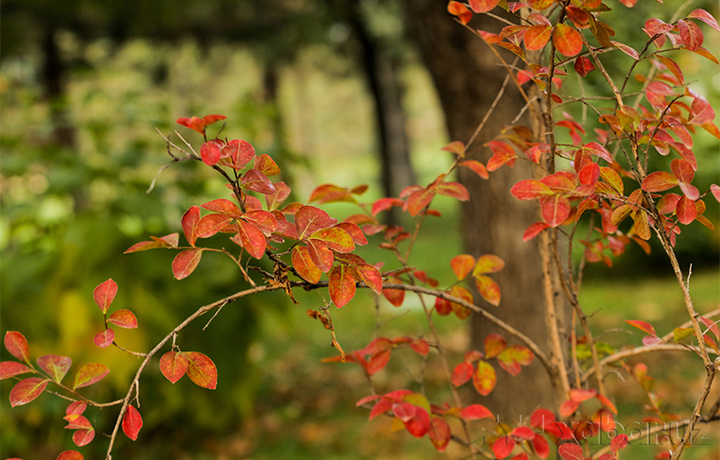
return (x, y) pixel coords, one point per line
(90, 374)
(201, 370)
(27, 390)
(16, 344)
(56, 366)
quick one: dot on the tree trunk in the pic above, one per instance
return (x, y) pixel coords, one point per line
(467, 77)
(381, 75)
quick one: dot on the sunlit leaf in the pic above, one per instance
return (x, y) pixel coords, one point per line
(210, 152)
(132, 422)
(489, 289)
(494, 344)
(104, 294)
(341, 285)
(27, 390)
(462, 265)
(513, 357)
(475, 412)
(483, 6)
(530, 189)
(555, 209)
(173, 365)
(642, 325)
(123, 318)
(567, 40)
(104, 339)
(90, 374)
(503, 446)
(70, 455)
(201, 370)
(460, 10)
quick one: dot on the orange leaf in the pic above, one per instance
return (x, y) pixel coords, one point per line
(475, 412)
(476, 167)
(459, 10)
(483, 6)
(185, 263)
(513, 357)
(104, 294)
(252, 239)
(555, 209)
(173, 365)
(70, 455)
(123, 318)
(462, 265)
(642, 325)
(536, 37)
(27, 390)
(189, 224)
(488, 263)
(90, 374)
(686, 210)
(567, 40)
(494, 345)
(341, 285)
(201, 370)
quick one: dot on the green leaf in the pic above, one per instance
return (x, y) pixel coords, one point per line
(682, 333)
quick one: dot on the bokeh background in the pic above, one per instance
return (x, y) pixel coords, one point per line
(84, 85)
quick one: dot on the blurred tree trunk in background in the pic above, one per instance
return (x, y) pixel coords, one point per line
(467, 78)
(380, 69)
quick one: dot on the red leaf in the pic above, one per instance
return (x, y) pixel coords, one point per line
(70, 455)
(341, 285)
(503, 447)
(494, 345)
(17, 345)
(210, 152)
(483, 6)
(56, 366)
(583, 66)
(123, 318)
(104, 294)
(185, 263)
(222, 206)
(309, 219)
(201, 370)
(567, 408)
(522, 433)
(542, 418)
(513, 357)
(27, 390)
(571, 452)
(371, 276)
(580, 395)
(90, 374)
(382, 406)
(453, 190)
(442, 307)
(83, 437)
(189, 224)
(252, 238)
(476, 167)
(173, 365)
(104, 339)
(394, 296)
(420, 346)
(419, 200)
(212, 224)
(439, 433)
(461, 374)
(194, 123)
(642, 325)
(672, 67)
(555, 209)
(419, 425)
(239, 151)
(320, 254)
(530, 189)
(534, 230)
(606, 403)
(210, 119)
(475, 412)
(404, 411)
(12, 368)
(619, 442)
(257, 182)
(542, 449)
(132, 422)
(686, 210)
(691, 34)
(706, 17)
(536, 37)
(304, 265)
(484, 378)
(168, 241)
(567, 40)
(459, 10)
(266, 165)
(502, 154)
(77, 422)
(462, 265)
(336, 238)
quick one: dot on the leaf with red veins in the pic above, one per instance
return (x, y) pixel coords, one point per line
(90, 374)
(55, 366)
(494, 344)
(341, 285)
(483, 6)
(263, 220)
(536, 37)
(189, 224)
(371, 276)
(104, 294)
(304, 265)
(239, 152)
(257, 182)
(123, 318)
(27, 390)
(484, 378)
(555, 209)
(132, 422)
(104, 339)
(173, 365)
(567, 40)
(16, 344)
(185, 263)
(691, 34)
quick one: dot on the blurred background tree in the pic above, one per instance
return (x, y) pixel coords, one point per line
(337, 91)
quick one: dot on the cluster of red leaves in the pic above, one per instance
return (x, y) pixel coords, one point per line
(679, 333)
(104, 294)
(51, 369)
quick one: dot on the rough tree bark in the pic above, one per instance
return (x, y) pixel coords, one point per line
(467, 78)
